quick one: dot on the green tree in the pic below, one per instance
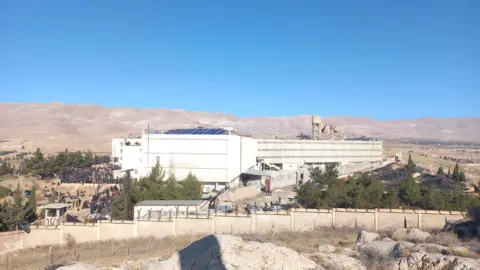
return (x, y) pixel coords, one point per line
(449, 174)
(409, 191)
(410, 165)
(462, 177)
(456, 173)
(390, 199)
(150, 187)
(432, 199)
(31, 205)
(440, 171)
(172, 190)
(6, 217)
(191, 188)
(5, 167)
(123, 204)
(18, 212)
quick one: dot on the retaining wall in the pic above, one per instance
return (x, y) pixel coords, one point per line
(297, 220)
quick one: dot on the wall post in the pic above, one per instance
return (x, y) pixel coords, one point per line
(334, 221)
(98, 230)
(135, 228)
(292, 219)
(419, 220)
(174, 226)
(212, 223)
(253, 223)
(61, 233)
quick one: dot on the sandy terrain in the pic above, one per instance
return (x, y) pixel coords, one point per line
(428, 157)
(57, 126)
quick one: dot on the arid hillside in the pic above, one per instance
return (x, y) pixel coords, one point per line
(56, 126)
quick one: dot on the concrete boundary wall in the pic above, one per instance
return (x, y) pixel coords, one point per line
(295, 220)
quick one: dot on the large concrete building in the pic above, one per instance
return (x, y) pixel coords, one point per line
(220, 158)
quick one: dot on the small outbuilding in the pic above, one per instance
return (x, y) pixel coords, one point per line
(54, 212)
(165, 207)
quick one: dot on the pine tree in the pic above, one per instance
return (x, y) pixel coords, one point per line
(409, 191)
(171, 190)
(456, 173)
(123, 204)
(410, 165)
(31, 205)
(18, 212)
(191, 188)
(462, 177)
(440, 171)
(449, 174)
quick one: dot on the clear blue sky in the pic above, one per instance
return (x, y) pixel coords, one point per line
(382, 59)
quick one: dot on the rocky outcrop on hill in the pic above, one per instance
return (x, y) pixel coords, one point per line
(370, 252)
(222, 252)
(231, 252)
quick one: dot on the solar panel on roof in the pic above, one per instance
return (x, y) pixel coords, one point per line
(198, 131)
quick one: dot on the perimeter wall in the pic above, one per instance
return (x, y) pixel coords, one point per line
(296, 220)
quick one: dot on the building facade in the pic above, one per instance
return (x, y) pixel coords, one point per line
(218, 158)
(289, 154)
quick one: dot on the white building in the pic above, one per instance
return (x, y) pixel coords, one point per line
(214, 157)
(289, 154)
(219, 158)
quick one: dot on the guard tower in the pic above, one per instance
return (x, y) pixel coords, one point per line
(317, 127)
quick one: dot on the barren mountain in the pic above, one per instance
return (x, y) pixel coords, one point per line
(57, 126)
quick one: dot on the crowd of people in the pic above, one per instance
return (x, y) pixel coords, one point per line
(100, 203)
(102, 175)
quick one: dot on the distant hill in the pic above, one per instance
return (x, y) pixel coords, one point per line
(57, 126)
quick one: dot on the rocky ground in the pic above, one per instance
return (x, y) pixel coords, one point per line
(404, 249)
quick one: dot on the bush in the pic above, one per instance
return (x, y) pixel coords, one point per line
(4, 192)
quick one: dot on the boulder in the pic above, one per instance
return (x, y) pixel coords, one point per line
(414, 235)
(337, 261)
(231, 252)
(349, 252)
(387, 239)
(326, 249)
(417, 235)
(377, 248)
(463, 228)
(432, 261)
(401, 250)
(148, 264)
(382, 248)
(474, 213)
(400, 234)
(429, 248)
(82, 266)
(366, 237)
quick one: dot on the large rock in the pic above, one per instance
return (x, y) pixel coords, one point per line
(463, 228)
(432, 261)
(82, 266)
(474, 213)
(336, 261)
(231, 252)
(414, 235)
(366, 237)
(382, 248)
(326, 249)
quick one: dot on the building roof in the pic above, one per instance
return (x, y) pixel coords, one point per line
(170, 203)
(198, 131)
(55, 206)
